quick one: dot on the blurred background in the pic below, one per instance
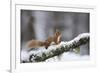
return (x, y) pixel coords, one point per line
(42, 24)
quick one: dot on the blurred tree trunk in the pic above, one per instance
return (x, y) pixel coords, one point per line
(83, 26)
(27, 30)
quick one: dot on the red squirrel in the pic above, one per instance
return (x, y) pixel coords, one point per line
(36, 43)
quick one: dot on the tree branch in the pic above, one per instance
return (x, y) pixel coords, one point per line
(55, 50)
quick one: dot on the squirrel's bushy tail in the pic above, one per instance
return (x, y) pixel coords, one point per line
(35, 44)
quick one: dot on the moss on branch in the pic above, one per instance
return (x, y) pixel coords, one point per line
(59, 49)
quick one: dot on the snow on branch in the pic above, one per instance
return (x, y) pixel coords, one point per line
(55, 50)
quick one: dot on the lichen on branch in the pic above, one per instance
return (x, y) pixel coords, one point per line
(55, 50)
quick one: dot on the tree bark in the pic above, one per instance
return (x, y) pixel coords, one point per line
(55, 50)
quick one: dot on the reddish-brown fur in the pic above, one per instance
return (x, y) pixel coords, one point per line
(36, 44)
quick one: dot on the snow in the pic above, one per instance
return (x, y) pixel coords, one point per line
(38, 51)
(24, 55)
(68, 56)
(54, 47)
(78, 37)
(64, 57)
(73, 56)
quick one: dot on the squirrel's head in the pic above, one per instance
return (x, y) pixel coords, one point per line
(57, 33)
